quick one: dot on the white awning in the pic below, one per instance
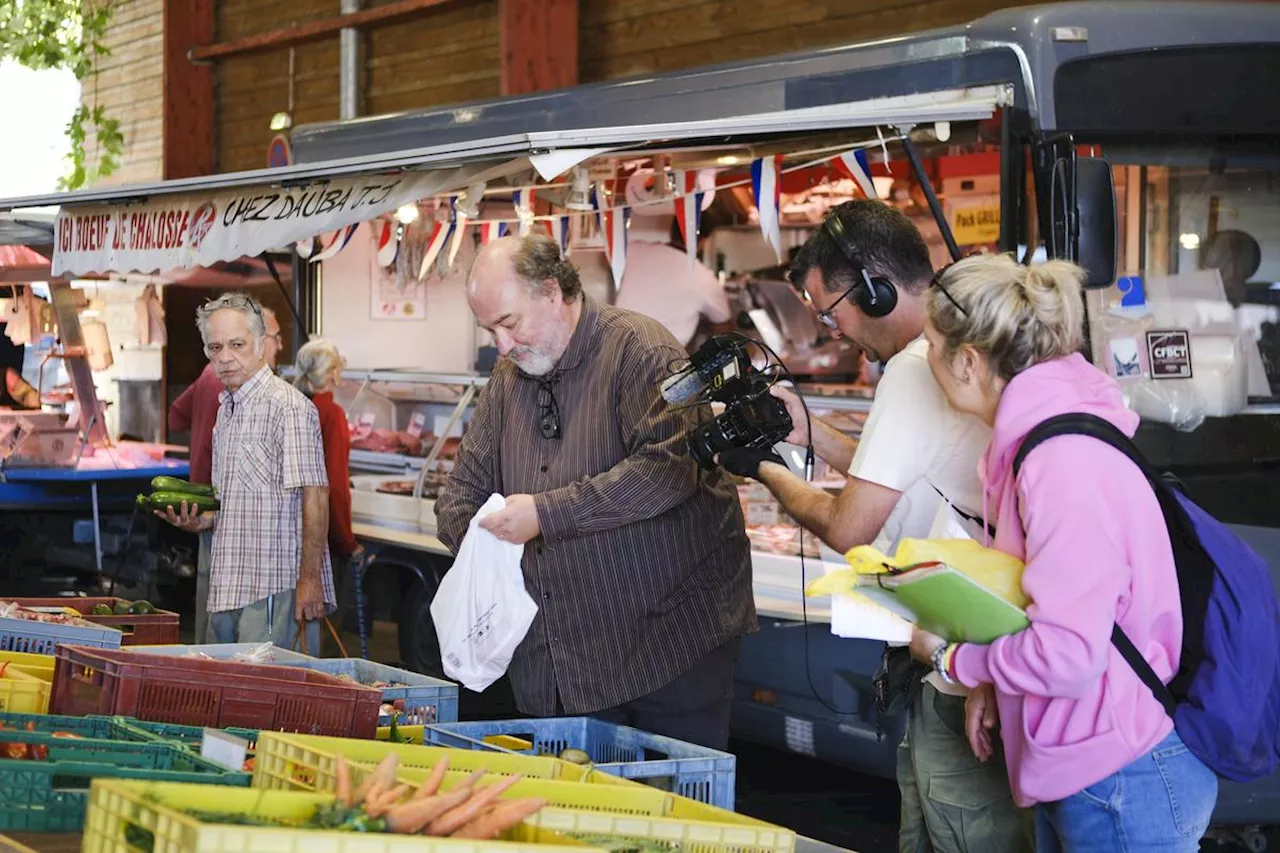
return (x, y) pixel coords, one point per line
(196, 222)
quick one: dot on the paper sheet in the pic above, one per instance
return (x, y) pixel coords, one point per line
(855, 616)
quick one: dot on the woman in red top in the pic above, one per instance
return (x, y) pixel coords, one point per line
(319, 366)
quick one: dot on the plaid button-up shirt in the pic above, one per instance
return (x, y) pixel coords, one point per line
(266, 448)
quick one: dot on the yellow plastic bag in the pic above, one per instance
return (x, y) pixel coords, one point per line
(995, 570)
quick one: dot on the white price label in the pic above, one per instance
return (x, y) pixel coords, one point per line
(364, 424)
(416, 423)
(223, 749)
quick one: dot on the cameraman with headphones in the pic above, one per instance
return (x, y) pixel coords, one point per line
(865, 272)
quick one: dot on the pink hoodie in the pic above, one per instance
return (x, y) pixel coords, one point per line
(1087, 524)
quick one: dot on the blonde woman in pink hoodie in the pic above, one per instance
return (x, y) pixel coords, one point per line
(1086, 742)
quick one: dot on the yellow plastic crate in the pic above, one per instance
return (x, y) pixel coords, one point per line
(33, 664)
(415, 734)
(292, 762)
(631, 812)
(22, 692)
(148, 817)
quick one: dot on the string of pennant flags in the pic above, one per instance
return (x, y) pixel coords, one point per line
(612, 219)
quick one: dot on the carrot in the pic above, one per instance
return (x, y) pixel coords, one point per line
(498, 819)
(412, 816)
(378, 806)
(432, 783)
(384, 773)
(454, 820)
(343, 772)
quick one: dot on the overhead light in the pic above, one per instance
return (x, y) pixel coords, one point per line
(407, 214)
(942, 130)
(728, 160)
(1190, 241)
(281, 121)
(580, 194)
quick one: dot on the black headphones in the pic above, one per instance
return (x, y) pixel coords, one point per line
(876, 296)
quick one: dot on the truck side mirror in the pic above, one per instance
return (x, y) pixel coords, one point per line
(1083, 218)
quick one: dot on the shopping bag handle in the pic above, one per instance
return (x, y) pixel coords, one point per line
(302, 638)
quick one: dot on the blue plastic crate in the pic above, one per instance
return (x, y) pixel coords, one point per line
(427, 700)
(702, 774)
(43, 638)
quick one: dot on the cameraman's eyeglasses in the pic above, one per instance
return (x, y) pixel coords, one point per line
(827, 316)
(549, 410)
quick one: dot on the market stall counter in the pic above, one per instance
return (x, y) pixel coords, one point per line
(109, 476)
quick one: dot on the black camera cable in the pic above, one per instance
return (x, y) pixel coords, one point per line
(809, 461)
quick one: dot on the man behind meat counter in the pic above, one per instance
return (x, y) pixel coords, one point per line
(638, 560)
(270, 558)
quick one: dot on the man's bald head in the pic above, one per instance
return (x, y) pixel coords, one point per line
(534, 260)
(527, 296)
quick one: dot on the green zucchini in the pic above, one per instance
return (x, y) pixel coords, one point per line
(159, 500)
(173, 484)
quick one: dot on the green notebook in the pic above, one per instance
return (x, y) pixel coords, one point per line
(945, 602)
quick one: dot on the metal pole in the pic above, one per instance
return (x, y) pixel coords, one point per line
(922, 178)
(349, 62)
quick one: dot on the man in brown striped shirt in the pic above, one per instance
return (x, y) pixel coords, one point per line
(638, 560)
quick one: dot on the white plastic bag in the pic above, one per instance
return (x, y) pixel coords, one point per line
(481, 609)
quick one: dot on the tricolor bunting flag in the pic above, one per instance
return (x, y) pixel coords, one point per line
(439, 236)
(490, 231)
(689, 211)
(388, 242)
(615, 238)
(335, 242)
(853, 165)
(559, 227)
(766, 181)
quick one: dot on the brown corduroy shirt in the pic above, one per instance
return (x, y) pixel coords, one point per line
(643, 565)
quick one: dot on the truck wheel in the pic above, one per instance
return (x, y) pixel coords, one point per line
(419, 648)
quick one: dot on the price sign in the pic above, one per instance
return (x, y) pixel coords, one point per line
(223, 749)
(416, 423)
(364, 425)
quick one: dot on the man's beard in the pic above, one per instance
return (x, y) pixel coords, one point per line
(533, 362)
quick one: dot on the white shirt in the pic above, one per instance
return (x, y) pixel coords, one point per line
(914, 442)
(660, 283)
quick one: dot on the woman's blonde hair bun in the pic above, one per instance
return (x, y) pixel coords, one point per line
(1017, 315)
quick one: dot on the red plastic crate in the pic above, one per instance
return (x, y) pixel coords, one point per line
(216, 694)
(153, 629)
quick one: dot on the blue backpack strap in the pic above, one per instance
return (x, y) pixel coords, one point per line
(1106, 432)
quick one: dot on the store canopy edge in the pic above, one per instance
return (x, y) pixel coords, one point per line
(196, 222)
(438, 157)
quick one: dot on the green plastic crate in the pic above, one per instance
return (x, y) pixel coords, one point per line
(51, 794)
(185, 736)
(94, 728)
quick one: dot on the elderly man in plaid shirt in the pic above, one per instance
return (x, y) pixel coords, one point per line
(270, 570)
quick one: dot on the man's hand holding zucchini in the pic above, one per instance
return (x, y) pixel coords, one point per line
(187, 506)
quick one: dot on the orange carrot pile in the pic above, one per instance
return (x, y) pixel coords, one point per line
(466, 811)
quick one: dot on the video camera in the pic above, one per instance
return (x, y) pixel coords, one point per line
(722, 371)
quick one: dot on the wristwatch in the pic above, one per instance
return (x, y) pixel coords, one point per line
(941, 657)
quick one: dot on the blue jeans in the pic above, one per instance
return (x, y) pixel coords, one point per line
(269, 620)
(1161, 801)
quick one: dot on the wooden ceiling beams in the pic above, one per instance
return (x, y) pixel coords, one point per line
(377, 16)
